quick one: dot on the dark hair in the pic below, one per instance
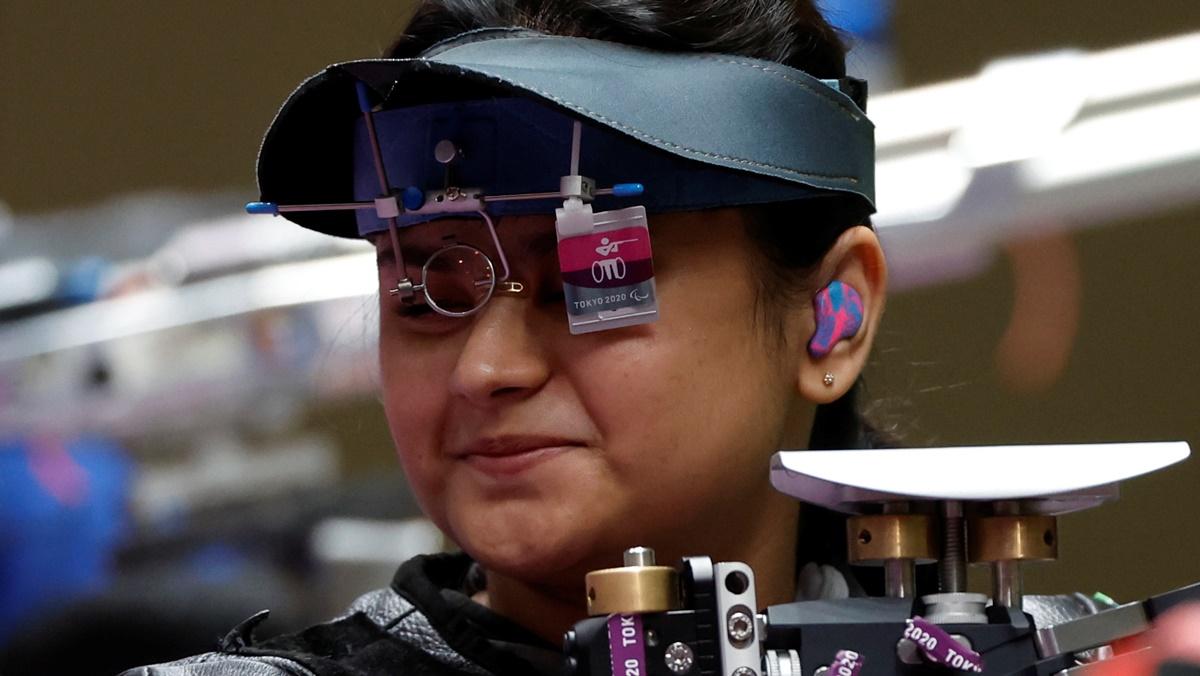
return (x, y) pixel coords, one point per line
(791, 32)
(786, 31)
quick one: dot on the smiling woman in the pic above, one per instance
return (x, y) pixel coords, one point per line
(542, 453)
(542, 448)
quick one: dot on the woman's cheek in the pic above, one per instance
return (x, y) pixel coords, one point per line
(636, 396)
(414, 412)
(417, 459)
(687, 412)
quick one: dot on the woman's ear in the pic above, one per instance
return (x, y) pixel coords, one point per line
(834, 350)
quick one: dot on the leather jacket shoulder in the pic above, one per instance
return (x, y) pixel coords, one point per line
(379, 631)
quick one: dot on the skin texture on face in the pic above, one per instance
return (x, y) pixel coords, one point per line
(656, 435)
(661, 416)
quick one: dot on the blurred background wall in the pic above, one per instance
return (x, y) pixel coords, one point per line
(124, 123)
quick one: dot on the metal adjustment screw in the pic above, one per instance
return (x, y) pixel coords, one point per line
(744, 671)
(638, 586)
(679, 658)
(952, 567)
(639, 556)
(741, 627)
(445, 151)
(784, 663)
(821, 671)
(955, 608)
(908, 652)
(404, 289)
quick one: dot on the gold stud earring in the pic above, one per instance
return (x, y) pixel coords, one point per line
(828, 379)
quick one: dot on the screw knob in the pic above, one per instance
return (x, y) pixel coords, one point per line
(445, 151)
(639, 556)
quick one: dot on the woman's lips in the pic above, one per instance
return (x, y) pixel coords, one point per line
(512, 455)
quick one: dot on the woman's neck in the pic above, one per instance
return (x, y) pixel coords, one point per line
(768, 546)
(546, 612)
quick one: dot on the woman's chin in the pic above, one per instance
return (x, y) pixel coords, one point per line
(525, 546)
(535, 529)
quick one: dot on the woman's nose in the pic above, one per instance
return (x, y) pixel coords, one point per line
(503, 358)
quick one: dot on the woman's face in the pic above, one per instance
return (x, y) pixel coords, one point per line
(543, 453)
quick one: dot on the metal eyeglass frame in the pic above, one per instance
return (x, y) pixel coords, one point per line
(388, 208)
(406, 289)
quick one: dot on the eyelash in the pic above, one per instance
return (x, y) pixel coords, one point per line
(552, 294)
(412, 310)
(419, 312)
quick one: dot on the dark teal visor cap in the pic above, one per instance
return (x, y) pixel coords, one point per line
(782, 133)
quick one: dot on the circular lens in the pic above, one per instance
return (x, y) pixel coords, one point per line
(458, 280)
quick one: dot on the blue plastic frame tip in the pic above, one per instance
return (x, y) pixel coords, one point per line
(364, 98)
(262, 208)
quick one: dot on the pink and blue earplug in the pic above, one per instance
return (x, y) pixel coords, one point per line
(839, 315)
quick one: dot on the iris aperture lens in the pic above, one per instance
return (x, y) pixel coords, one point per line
(458, 280)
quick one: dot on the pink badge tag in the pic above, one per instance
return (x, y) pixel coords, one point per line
(608, 273)
(626, 645)
(940, 647)
(846, 663)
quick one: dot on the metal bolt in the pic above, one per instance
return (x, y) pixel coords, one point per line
(741, 627)
(908, 652)
(639, 556)
(782, 663)
(445, 151)
(679, 658)
(744, 671)
(952, 569)
(1006, 584)
(899, 578)
(821, 671)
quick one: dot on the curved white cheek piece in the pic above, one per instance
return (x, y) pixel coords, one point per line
(1057, 478)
